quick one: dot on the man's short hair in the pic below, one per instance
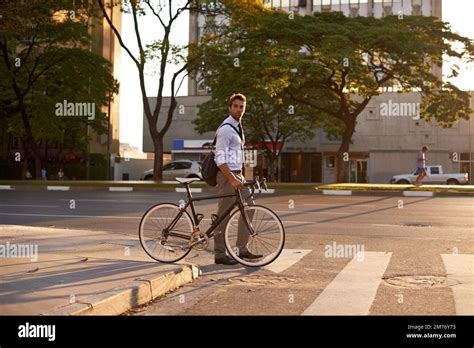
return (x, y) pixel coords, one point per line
(425, 148)
(238, 96)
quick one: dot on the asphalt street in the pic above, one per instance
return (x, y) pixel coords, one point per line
(417, 252)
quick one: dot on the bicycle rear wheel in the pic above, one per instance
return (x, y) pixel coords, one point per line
(267, 241)
(164, 236)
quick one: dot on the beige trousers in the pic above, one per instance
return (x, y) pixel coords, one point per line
(224, 186)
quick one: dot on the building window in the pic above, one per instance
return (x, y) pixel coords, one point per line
(354, 4)
(330, 161)
(416, 7)
(354, 12)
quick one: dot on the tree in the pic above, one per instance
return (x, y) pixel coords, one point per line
(45, 60)
(348, 61)
(159, 50)
(236, 60)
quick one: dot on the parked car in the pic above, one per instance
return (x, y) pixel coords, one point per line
(177, 169)
(435, 175)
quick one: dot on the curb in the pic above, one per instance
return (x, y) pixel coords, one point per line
(396, 193)
(121, 299)
(171, 188)
(278, 190)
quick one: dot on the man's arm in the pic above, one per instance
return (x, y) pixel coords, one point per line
(237, 184)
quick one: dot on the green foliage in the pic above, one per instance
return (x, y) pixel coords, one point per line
(44, 60)
(328, 67)
(235, 61)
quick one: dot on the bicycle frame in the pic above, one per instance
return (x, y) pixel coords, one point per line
(238, 202)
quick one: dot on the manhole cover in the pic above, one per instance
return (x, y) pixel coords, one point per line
(420, 282)
(416, 225)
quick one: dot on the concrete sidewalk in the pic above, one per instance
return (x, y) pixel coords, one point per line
(80, 272)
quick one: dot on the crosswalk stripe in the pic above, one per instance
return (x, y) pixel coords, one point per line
(287, 258)
(354, 288)
(460, 268)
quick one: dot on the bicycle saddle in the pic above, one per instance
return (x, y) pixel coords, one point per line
(187, 180)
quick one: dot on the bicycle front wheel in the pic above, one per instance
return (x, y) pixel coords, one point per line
(165, 232)
(257, 248)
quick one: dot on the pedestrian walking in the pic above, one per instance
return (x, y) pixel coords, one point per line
(43, 174)
(421, 169)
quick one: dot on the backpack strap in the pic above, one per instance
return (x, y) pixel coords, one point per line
(235, 129)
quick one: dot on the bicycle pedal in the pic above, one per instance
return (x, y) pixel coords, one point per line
(213, 218)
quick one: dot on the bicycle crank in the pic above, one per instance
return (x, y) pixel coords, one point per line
(199, 240)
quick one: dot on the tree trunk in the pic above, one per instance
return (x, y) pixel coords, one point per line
(32, 145)
(341, 175)
(272, 157)
(158, 162)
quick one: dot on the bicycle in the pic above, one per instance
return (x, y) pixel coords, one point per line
(167, 232)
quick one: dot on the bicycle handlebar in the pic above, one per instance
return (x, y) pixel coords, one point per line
(256, 183)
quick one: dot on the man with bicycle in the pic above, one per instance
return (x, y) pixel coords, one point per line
(229, 158)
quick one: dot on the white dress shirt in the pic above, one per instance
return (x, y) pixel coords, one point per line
(229, 147)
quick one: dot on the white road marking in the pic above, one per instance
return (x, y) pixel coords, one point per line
(354, 288)
(5, 187)
(418, 193)
(129, 217)
(351, 206)
(113, 200)
(461, 269)
(121, 189)
(180, 189)
(30, 206)
(387, 225)
(337, 192)
(58, 188)
(287, 258)
(299, 222)
(312, 212)
(77, 216)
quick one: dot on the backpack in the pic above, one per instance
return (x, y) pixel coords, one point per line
(209, 167)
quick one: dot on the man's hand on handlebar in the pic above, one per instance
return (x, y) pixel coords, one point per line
(237, 184)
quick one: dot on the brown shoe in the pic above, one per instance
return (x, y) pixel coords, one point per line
(224, 260)
(248, 255)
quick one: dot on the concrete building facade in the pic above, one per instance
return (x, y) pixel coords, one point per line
(388, 133)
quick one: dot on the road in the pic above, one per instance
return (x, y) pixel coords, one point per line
(416, 253)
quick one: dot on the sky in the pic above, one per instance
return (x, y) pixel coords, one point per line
(458, 13)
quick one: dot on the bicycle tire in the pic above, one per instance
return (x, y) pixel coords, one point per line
(230, 236)
(186, 222)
